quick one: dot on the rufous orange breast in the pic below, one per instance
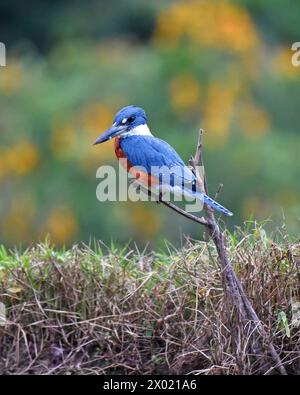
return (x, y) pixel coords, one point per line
(143, 177)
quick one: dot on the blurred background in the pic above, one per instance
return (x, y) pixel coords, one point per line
(222, 65)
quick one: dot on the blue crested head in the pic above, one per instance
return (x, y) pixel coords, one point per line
(129, 120)
(131, 116)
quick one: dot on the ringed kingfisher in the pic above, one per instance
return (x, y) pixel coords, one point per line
(139, 149)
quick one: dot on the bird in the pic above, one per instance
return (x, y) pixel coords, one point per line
(145, 156)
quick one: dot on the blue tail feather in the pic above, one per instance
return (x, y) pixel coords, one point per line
(209, 201)
(215, 205)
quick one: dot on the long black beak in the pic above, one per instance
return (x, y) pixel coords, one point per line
(110, 133)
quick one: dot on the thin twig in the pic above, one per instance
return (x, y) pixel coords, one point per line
(192, 217)
(219, 190)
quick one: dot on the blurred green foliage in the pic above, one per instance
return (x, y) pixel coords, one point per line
(222, 65)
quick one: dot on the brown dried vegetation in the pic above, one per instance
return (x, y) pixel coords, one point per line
(83, 311)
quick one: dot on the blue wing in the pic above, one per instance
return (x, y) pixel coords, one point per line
(149, 152)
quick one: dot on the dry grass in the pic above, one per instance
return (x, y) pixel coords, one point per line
(83, 311)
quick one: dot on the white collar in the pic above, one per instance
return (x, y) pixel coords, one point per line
(141, 130)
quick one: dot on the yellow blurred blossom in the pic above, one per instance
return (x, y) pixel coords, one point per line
(145, 221)
(184, 93)
(207, 23)
(3, 164)
(218, 113)
(63, 139)
(283, 63)
(61, 225)
(17, 222)
(16, 228)
(96, 117)
(11, 78)
(22, 158)
(253, 120)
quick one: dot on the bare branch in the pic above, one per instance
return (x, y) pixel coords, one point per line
(201, 221)
(192, 217)
(231, 284)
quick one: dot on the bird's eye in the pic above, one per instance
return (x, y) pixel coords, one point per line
(130, 119)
